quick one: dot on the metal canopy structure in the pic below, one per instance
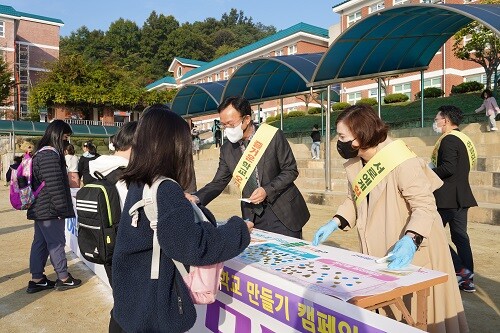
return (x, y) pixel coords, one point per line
(270, 78)
(397, 40)
(197, 99)
(38, 129)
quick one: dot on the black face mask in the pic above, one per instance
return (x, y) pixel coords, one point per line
(346, 150)
(65, 143)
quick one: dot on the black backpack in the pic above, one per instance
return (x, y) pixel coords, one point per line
(98, 210)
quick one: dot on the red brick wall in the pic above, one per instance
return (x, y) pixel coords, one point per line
(38, 33)
(306, 47)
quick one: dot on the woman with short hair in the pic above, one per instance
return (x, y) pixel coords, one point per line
(390, 200)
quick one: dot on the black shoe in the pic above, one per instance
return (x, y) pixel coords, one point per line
(43, 284)
(68, 284)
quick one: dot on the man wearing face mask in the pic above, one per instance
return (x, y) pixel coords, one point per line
(453, 157)
(276, 204)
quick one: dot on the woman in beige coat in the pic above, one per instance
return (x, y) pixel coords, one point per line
(398, 216)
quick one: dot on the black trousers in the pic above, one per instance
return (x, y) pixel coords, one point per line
(457, 219)
(268, 221)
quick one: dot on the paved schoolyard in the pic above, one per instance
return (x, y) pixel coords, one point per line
(86, 309)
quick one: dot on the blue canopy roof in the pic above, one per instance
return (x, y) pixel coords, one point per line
(396, 40)
(198, 98)
(38, 129)
(269, 78)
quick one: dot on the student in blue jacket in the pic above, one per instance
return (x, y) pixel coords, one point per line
(162, 147)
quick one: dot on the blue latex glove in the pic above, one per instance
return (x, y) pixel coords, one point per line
(325, 231)
(402, 254)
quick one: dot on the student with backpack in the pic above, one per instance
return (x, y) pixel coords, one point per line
(162, 147)
(105, 170)
(89, 154)
(52, 205)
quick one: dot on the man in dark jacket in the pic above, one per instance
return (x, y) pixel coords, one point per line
(276, 204)
(316, 137)
(455, 197)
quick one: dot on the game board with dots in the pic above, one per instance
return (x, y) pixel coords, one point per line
(271, 255)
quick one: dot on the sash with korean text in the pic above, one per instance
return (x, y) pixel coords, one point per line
(253, 154)
(471, 149)
(379, 166)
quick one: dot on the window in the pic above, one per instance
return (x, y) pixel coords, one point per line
(292, 49)
(404, 88)
(351, 19)
(278, 53)
(353, 97)
(179, 71)
(376, 7)
(217, 77)
(481, 78)
(432, 82)
(372, 93)
(400, 2)
(209, 79)
(2, 29)
(226, 74)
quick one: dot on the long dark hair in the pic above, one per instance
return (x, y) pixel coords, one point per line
(54, 137)
(161, 147)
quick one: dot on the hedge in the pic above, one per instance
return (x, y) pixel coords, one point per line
(466, 87)
(293, 114)
(340, 106)
(314, 111)
(395, 98)
(271, 119)
(367, 101)
(430, 92)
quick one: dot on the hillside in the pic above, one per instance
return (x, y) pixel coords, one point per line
(400, 115)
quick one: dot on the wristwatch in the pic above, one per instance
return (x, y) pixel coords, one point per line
(417, 239)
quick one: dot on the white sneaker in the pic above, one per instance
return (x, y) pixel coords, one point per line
(494, 129)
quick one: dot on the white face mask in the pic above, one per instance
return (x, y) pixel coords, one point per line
(111, 146)
(234, 134)
(437, 129)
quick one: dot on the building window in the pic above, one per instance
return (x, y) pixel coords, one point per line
(481, 78)
(2, 29)
(404, 88)
(179, 71)
(372, 93)
(352, 98)
(400, 2)
(209, 79)
(353, 18)
(292, 49)
(226, 74)
(376, 7)
(434, 82)
(217, 77)
(278, 53)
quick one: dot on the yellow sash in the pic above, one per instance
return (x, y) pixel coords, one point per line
(471, 149)
(252, 154)
(379, 167)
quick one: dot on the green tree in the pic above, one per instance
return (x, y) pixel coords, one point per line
(6, 82)
(479, 44)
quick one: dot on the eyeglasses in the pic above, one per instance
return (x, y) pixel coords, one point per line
(224, 126)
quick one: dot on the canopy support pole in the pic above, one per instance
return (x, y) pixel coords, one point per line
(422, 96)
(258, 114)
(281, 118)
(379, 96)
(328, 173)
(322, 116)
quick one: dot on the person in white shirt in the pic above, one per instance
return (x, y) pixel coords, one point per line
(72, 166)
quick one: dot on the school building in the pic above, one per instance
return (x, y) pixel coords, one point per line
(27, 43)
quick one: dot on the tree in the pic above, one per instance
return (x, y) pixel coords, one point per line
(6, 82)
(479, 44)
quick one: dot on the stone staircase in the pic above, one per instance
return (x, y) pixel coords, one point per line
(485, 179)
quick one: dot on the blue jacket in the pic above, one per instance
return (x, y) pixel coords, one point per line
(145, 305)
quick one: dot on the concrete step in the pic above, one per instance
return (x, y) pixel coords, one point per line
(486, 194)
(484, 213)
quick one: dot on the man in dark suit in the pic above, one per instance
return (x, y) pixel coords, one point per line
(276, 204)
(455, 197)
